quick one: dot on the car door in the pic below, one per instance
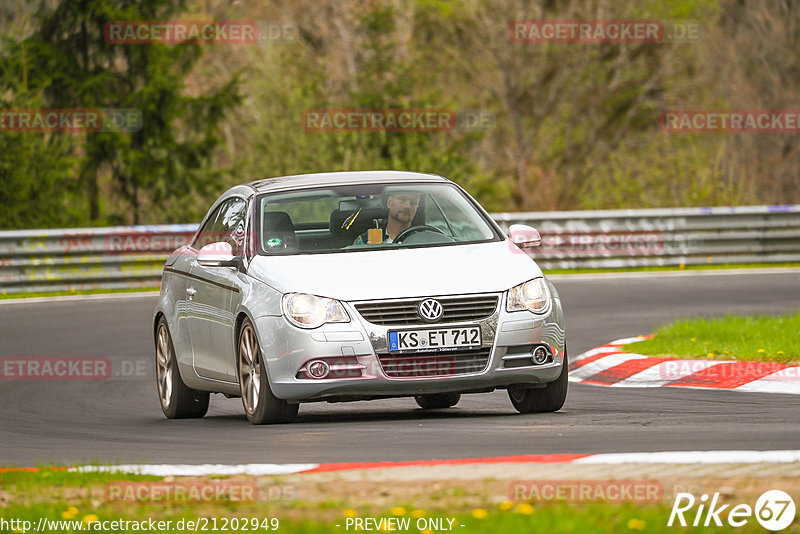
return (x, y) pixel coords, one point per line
(214, 294)
(174, 282)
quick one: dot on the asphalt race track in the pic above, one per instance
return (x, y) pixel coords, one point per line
(119, 419)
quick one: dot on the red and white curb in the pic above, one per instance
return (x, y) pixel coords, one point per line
(609, 365)
(666, 457)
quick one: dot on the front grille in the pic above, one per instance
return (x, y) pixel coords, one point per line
(404, 312)
(422, 364)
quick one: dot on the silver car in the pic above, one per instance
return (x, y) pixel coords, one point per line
(355, 286)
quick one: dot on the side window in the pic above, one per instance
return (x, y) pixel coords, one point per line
(205, 236)
(231, 224)
(225, 224)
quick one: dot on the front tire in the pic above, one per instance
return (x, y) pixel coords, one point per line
(260, 405)
(438, 400)
(177, 400)
(551, 398)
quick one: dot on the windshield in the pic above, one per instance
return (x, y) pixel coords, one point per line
(368, 217)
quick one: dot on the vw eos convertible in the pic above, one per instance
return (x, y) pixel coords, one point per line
(355, 286)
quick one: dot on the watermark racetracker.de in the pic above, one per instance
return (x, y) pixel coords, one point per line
(396, 120)
(582, 491)
(72, 368)
(71, 120)
(94, 524)
(603, 31)
(176, 32)
(181, 492)
(714, 372)
(601, 243)
(590, 243)
(730, 121)
(196, 491)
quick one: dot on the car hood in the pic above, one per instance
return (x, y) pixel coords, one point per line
(412, 272)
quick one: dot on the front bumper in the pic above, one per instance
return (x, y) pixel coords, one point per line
(287, 349)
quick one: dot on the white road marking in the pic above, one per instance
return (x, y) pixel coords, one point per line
(692, 457)
(188, 470)
(784, 381)
(665, 457)
(665, 372)
(606, 362)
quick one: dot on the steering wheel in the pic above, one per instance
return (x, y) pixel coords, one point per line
(413, 230)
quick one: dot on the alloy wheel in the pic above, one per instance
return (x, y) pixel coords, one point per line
(249, 369)
(164, 365)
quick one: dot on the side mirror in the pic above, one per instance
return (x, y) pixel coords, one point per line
(524, 236)
(217, 255)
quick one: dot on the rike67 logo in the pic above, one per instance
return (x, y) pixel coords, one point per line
(774, 510)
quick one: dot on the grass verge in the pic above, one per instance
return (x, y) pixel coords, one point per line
(80, 502)
(766, 338)
(553, 519)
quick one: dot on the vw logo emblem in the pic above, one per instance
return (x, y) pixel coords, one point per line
(430, 310)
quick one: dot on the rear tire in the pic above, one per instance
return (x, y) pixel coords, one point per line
(551, 398)
(438, 400)
(177, 400)
(260, 405)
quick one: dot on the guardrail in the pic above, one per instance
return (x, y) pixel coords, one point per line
(133, 256)
(663, 237)
(87, 258)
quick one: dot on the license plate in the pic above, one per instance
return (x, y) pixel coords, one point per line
(435, 339)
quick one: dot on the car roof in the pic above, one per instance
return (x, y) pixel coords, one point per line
(305, 181)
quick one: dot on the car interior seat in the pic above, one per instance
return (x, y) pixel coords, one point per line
(278, 231)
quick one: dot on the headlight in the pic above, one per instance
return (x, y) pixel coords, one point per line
(533, 295)
(310, 311)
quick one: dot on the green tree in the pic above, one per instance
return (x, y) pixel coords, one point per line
(356, 58)
(37, 184)
(171, 156)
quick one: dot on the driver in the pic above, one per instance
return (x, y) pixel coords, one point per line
(402, 209)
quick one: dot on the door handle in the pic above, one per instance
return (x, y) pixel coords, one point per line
(190, 292)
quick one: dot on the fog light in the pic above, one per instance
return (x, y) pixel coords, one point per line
(318, 369)
(539, 355)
